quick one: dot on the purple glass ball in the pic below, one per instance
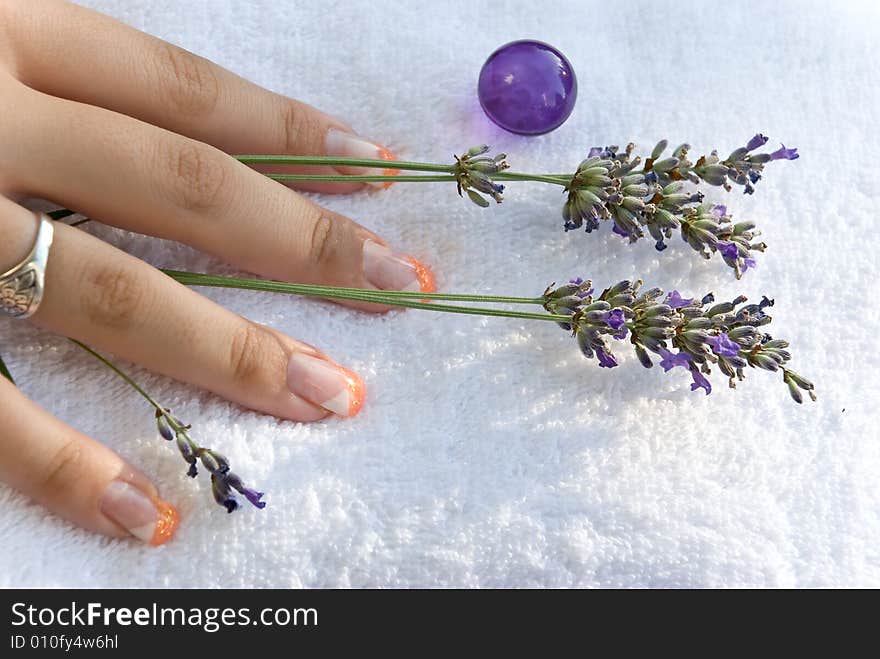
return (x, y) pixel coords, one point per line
(527, 87)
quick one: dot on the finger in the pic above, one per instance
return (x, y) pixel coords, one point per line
(101, 296)
(96, 60)
(76, 477)
(146, 179)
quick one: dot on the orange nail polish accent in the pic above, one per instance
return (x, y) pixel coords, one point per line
(166, 525)
(385, 154)
(357, 391)
(427, 282)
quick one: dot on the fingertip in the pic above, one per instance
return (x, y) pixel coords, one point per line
(427, 280)
(325, 384)
(166, 524)
(357, 391)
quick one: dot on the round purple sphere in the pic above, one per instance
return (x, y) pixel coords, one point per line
(527, 87)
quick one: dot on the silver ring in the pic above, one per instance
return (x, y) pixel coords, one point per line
(21, 288)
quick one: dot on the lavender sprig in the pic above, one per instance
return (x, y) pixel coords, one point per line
(223, 481)
(660, 197)
(608, 185)
(724, 335)
(703, 332)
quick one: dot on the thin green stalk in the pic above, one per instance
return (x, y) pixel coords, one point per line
(134, 385)
(5, 371)
(373, 163)
(555, 179)
(360, 295)
(344, 178)
(179, 429)
(180, 275)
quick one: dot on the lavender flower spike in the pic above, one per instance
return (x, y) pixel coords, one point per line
(702, 333)
(223, 481)
(656, 195)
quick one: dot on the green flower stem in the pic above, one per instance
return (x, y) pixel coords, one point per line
(5, 371)
(375, 163)
(174, 423)
(180, 275)
(415, 178)
(360, 295)
(555, 179)
(344, 178)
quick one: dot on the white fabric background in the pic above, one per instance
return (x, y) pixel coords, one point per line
(489, 452)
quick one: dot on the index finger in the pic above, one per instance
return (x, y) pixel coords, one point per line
(94, 59)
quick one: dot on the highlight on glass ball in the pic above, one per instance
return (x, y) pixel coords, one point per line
(527, 87)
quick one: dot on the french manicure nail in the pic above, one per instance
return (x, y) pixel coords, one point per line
(148, 519)
(325, 384)
(390, 271)
(345, 145)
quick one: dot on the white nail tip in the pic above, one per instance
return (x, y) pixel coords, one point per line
(339, 404)
(144, 532)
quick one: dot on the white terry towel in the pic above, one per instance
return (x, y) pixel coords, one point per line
(490, 453)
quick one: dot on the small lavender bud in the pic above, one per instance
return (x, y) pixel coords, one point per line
(214, 462)
(478, 150)
(644, 357)
(666, 164)
(222, 492)
(659, 149)
(164, 428)
(477, 199)
(189, 455)
(760, 158)
(745, 334)
(633, 204)
(713, 174)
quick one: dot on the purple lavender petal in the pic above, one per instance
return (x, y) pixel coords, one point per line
(676, 301)
(595, 151)
(606, 359)
(254, 497)
(621, 334)
(756, 142)
(619, 231)
(699, 380)
(614, 318)
(728, 249)
(749, 263)
(723, 345)
(785, 154)
(671, 360)
(719, 210)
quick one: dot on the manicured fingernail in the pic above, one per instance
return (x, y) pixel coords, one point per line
(325, 384)
(148, 519)
(345, 145)
(389, 271)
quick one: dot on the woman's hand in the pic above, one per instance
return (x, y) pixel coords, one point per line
(135, 132)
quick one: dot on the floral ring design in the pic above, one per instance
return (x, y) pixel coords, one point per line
(21, 287)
